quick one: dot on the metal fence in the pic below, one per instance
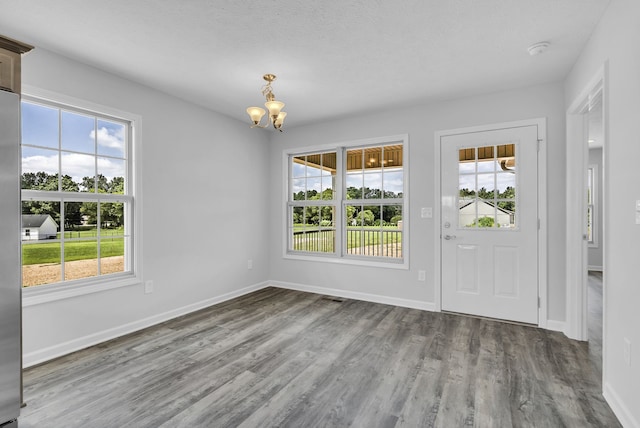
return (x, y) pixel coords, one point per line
(367, 242)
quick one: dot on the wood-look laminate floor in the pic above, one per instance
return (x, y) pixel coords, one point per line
(280, 358)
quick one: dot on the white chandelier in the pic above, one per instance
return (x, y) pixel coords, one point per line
(276, 115)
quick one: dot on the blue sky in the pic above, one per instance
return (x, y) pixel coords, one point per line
(69, 139)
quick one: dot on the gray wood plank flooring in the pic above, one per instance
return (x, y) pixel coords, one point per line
(281, 358)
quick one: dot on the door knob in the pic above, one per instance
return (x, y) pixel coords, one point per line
(449, 237)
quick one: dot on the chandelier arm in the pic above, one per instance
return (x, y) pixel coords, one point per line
(257, 125)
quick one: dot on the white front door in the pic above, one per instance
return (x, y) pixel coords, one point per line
(489, 230)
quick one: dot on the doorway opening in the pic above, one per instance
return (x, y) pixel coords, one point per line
(586, 215)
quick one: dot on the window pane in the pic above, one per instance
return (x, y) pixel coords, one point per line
(392, 231)
(111, 173)
(39, 169)
(590, 223)
(313, 188)
(312, 217)
(111, 218)
(39, 125)
(111, 254)
(42, 218)
(486, 186)
(313, 229)
(354, 160)
(328, 184)
(506, 181)
(298, 191)
(392, 156)
(78, 133)
(354, 186)
(40, 263)
(297, 217)
(329, 163)
(111, 139)
(393, 183)
(40, 256)
(80, 259)
(486, 160)
(298, 167)
(73, 217)
(506, 214)
(80, 169)
(373, 186)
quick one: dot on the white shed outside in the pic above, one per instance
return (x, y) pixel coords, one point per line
(485, 209)
(38, 226)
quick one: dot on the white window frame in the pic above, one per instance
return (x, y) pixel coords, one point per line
(67, 289)
(340, 256)
(593, 190)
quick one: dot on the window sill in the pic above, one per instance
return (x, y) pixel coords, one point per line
(349, 261)
(43, 294)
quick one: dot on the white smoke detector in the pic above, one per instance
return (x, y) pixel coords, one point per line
(537, 48)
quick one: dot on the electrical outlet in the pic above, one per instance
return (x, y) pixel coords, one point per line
(626, 354)
(148, 287)
(249, 264)
(426, 212)
(422, 275)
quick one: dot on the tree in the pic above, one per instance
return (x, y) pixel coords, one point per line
(365, 218)
(482, 222)
(466, 193)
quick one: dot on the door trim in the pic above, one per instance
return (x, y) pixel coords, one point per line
(541, 123)
(576, 257)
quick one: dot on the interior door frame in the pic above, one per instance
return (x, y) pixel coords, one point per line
(541, 123)
(576, 252)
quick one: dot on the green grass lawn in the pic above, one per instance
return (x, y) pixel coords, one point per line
(49, 252)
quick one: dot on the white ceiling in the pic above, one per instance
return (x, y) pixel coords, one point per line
(332, 57)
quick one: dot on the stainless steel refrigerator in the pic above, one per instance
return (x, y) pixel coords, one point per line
(10, 262)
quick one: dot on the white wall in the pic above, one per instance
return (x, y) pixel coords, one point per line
(421, 122)
(198, 168)
(616, 43)
(595, 255)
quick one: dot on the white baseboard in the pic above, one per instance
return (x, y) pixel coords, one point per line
(374, 298)
(619, 409)
(46, 354)
(595, 268)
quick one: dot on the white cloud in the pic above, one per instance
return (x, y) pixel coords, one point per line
(113, 139)
(74, 164)
(37, 163)
(111, 168)
(78, 166)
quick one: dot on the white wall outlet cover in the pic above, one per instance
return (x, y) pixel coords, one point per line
(426, 212)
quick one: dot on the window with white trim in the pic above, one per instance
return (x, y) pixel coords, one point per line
(349, 201)
(77, 195)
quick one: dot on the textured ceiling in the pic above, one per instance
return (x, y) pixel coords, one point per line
(332, 57)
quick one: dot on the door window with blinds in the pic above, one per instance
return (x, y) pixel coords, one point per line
(488, 180)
